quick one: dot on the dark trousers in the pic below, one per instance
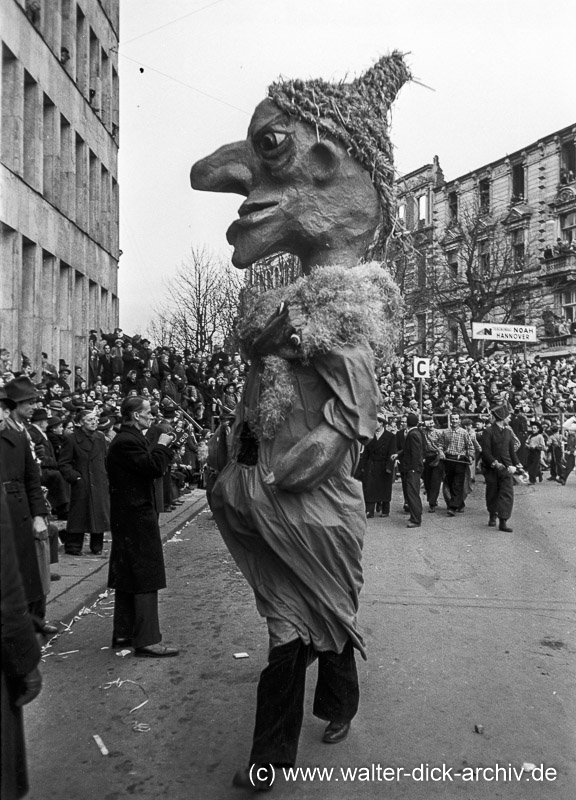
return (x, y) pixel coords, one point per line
(499, 492)
(555, 461)
(280, 698)
(454, 477)
(432, 480)
(534, 468)
(136, 617)
(412, 483)
(75, 541)
(568, 466)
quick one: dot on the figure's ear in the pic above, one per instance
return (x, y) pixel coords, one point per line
(324, 161)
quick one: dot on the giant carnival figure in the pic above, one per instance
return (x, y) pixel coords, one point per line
(316, 170)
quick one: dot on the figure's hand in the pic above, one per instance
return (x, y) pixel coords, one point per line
(165, 439)
(311, 461)
(511, 469)
(39, 525)
(31, 686)
(282, 332)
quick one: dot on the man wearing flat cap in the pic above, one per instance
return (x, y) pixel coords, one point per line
(316, 170)
(500, 463)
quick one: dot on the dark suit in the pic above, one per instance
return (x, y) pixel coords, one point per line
(411, 466)
(497, 454)
(106, 369)
(376, 471)
(50, 475)
(136, 558)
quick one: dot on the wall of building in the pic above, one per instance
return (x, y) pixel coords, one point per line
(58, 176)
(531, 199)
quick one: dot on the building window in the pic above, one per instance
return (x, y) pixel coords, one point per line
(569, 305)
(452, 258)
(484, 195)
(421, 270)
(11, 92)
(422, 210)
(568, 227)
(453, 336)
(421, 332)
(453, 205)
(484, 258)
(32, 117)
(568, 162)
(518, 192)
(402, 213)
(518, 249)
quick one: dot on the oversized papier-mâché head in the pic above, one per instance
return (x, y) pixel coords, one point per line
(316, 169)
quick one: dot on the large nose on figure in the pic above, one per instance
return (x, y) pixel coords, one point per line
(226, 170)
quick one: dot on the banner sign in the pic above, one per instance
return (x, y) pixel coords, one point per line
(504, 333)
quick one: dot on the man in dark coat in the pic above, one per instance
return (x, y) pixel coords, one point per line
(376, 469)
(411, 466)
(50, 475)
(136, 559)
(500, 464)
(26, 504)
(83, 464)
(21, 679)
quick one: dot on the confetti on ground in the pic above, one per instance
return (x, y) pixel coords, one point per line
(241, 655)
(101, 746)
(123, 653)
(141, 727)
(68, 653)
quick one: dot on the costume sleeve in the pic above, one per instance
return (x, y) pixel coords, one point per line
(487, 455)
(349, 372)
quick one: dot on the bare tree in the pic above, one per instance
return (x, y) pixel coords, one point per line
(476, 270)
(202, 303)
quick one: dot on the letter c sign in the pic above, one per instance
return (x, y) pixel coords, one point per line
(421, 368)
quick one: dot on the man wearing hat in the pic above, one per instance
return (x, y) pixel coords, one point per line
(63, 376)
(500, 463)
(27, 507)
(376, 469)
(50, 475)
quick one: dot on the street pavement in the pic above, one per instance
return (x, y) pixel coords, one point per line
(471, 669)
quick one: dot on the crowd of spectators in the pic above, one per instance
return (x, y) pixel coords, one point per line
(191, 391)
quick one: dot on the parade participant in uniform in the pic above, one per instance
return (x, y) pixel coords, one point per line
(286, 502)
(136, 558)
(411, 465)
(433, 464)
(457, 452)
(26, 503)
(535, 447)
(500, 463)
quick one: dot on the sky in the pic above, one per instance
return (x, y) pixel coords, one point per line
(497, 75)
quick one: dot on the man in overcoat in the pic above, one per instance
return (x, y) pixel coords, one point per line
(21, 679)
(82, 462)
(137, 559)
(500, 464)
(376, 469)
(26, 504)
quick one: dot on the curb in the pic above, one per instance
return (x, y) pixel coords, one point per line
(77, 592)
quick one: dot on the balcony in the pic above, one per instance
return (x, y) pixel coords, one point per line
(562, 267)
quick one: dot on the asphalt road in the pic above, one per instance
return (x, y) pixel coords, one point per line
(471, 639)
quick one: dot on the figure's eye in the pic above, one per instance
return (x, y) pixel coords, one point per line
(271, 143)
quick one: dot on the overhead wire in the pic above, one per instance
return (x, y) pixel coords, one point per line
(167, 24)
(183, 83)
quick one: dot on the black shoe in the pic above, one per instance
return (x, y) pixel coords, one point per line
(70, 552)
(413, 524)
(336, 732)
(492, 521)
(461, 510)
(432, 510)
(54, 576)
(385, 514)
(156, 651)
(369, 514)
(96, 552)
(243, 780)
(406, 508)
(504, 527)
(451, 512)
(121, 642)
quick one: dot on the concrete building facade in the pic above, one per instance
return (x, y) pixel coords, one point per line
(59, 244)
(524, 201)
